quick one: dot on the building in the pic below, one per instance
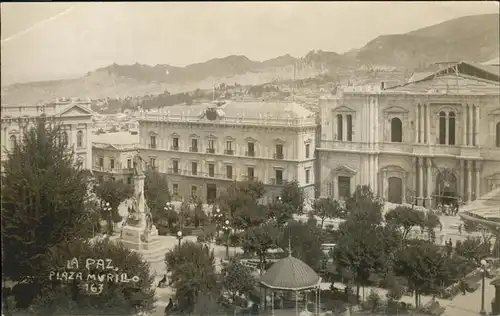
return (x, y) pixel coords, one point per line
(113, 154)
(432, 137)
(75, 116)
(205, 148)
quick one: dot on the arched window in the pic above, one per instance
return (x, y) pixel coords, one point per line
(396, 130)
(498, 134)
(451, 128)
(442, 128)
(13, 141)
(64, 138)
(339, 127)
(79, 139)
(349, 127)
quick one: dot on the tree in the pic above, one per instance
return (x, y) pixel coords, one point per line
(424, 265)
(259, 240)
(238, 279)
(44, 196)
(364, 206)
(157, 194)
(124, 298)
(114, 193)
(294, 195)
(305, 241)
(405, 218)
(327, 208)
(186, 214)
(280, 212)
(193, 273)
(473, 248)
(200, 218)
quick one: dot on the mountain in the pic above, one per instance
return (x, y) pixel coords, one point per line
(470, 38)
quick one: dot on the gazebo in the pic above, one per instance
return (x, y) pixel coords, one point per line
(291, 274)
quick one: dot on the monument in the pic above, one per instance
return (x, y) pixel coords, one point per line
(138, 232)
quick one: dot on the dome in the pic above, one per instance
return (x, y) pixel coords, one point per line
(290, 274)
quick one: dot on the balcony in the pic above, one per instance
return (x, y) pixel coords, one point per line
(229, 152)
(176, 148)
(152, 146)
(250, 153)
(250, 178)
(278, 181)
(397, 148)
(113, 170)
(210, 150)
(198, 174)
(278, 156)
(174, 171)
(445, 150)
(344, 146)
(193, 149)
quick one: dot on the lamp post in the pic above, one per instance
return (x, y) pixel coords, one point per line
(483, 271)
(107, 210)
(227, 230)
(179, 238)
(217, 216)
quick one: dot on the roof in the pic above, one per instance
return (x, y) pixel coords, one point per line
(493, 62)
(417, 76)
(245, 110)
(486, 206)
(290, 274)
(460, 84)
(117, 138)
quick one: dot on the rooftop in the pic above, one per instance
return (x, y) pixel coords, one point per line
(117, 139)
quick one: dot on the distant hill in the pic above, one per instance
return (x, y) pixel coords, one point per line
(470, 38)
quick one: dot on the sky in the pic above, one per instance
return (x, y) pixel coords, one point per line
(49, 41)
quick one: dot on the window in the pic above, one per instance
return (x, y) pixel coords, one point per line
(175, 166)
(64, 137)
(194, 145)
(211, 170)
(308, 174)
(279, 151)
(344, 187)
(229, 172)
(396, 130)
(308, 146)
(112, 163)
(101, 162)
(13, 141)
(211, 146)
(250, 149)
(250, 173)
(340, 128)
(349, 127)
(152, 141)
(194, 191)
(451, 128)
(129, 163)
(129, 180)
(229, 147)
(79, 139)
(498, 135)
(442, 128)
(194, 168)
(175, 143)
(279, 176)
(175, 189)
(152, 162)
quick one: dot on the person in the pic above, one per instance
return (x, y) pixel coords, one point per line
(169, 307)
(460, 229)
(162, 281)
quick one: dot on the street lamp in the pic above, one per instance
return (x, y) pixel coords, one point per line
(483, 271)
(227, 230)
(107, 209)
(279, 199)
(217, 216)
(179, 237)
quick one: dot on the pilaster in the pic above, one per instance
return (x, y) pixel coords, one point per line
(420, 180)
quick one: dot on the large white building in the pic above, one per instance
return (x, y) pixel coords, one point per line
(436, 136)
(205, 148)
(75, 116)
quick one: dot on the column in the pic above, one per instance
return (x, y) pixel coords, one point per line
(417, 123)
(420, 180)
(447, 133)
(405, 175)
(462, 178)
(469, 127)
(422, 123)
(478, 179)
(428, 201)
(386, 186)
(464, 127)
(335, 187)
(476, 128)
(469, 180)
(414, 177)
(428, 126)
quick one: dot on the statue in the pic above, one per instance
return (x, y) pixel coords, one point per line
(138, 169)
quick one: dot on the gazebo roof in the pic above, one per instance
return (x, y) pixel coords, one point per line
(290, 274)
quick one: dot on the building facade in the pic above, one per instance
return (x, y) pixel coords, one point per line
(74, 115)
(113, 154)
(205, 148)
(427, 141)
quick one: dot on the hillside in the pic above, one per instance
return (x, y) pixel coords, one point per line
(471, 38)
